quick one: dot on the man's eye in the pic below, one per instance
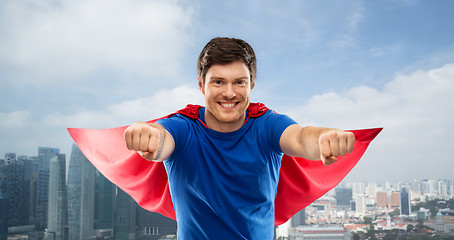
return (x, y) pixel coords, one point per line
(217, 82)
(241, 82)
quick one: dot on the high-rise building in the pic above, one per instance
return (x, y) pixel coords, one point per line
(81, 196)
(154, 226)
(33, 174)
(15, 175)
(361, 207)
(395, 199)
(358, 188)
(299, 218)
(10, 158)
(4, 201)
(388, 186)
(42, 186)
(405, 204)
(18, 177)
(104, 203)
(343, 197)
(382, 199)
(429, 187)
(27, 189)
(443, 189)
(125, 216)
(371, 189)
(58, 198)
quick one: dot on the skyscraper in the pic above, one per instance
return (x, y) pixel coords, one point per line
(371, 189)
(4, 201)
(125, 216)
(382, 199)
(405, 205)
(29, 170)
(58, 201)
(299, 219)
(81, 189)
(395, 200)
(428, 187)
(358, 188)
(42, 186)
(104, 203)
(15, 178)
(10, 158)
(33, 174)
(361, 207)
(154, 226)
(343, 197)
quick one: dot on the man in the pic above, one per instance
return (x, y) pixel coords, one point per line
(223, 166)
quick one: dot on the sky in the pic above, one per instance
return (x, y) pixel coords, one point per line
(344, 64)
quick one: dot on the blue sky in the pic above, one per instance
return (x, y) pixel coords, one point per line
(346, 64)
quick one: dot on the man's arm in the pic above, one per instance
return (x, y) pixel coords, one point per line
(316, 143)
(151, 140)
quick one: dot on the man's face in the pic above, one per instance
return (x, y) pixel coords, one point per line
(227, 92)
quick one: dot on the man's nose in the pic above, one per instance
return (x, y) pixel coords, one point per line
(229, 92)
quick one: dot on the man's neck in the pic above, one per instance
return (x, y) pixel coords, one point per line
(213, 123)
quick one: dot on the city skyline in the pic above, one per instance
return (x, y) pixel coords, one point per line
(57, 152)
(349, 65)
(86, 204)
(39, 199)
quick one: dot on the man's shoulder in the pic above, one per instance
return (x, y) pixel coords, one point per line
(190, 111)
(257, 109)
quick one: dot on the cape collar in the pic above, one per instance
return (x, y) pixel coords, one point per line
(254, 110)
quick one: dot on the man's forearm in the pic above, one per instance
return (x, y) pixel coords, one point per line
(316, 143)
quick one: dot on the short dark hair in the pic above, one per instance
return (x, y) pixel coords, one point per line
(223, 50)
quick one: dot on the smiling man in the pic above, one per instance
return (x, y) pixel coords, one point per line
(223, 165)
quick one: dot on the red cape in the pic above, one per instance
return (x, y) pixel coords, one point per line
(301, 181)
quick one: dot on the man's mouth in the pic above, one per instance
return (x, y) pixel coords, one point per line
(227, 105)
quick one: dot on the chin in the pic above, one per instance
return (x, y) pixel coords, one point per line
(232, 117)
(229, 119)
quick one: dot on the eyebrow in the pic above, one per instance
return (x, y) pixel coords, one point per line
(221, 78)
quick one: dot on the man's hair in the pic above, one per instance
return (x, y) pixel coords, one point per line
(222, 50)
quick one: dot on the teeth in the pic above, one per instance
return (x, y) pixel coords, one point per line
(228, 104)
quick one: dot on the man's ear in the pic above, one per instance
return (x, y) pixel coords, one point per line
(253, 84)
(202, 89)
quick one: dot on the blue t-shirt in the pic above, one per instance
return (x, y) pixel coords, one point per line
(223, 185)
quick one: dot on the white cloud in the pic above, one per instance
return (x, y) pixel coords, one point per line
(46, 42)
(310, 26)
(15, 119)
(416, 113)
(161, 103)
(25, 132)
(381, 51)
(18, 131)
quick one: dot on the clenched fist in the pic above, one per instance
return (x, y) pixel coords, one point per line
(335, 143)
(145, 138)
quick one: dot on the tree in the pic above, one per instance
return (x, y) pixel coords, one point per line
(368, 220)
(395, 212)
(371, 232)
(356, 236)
